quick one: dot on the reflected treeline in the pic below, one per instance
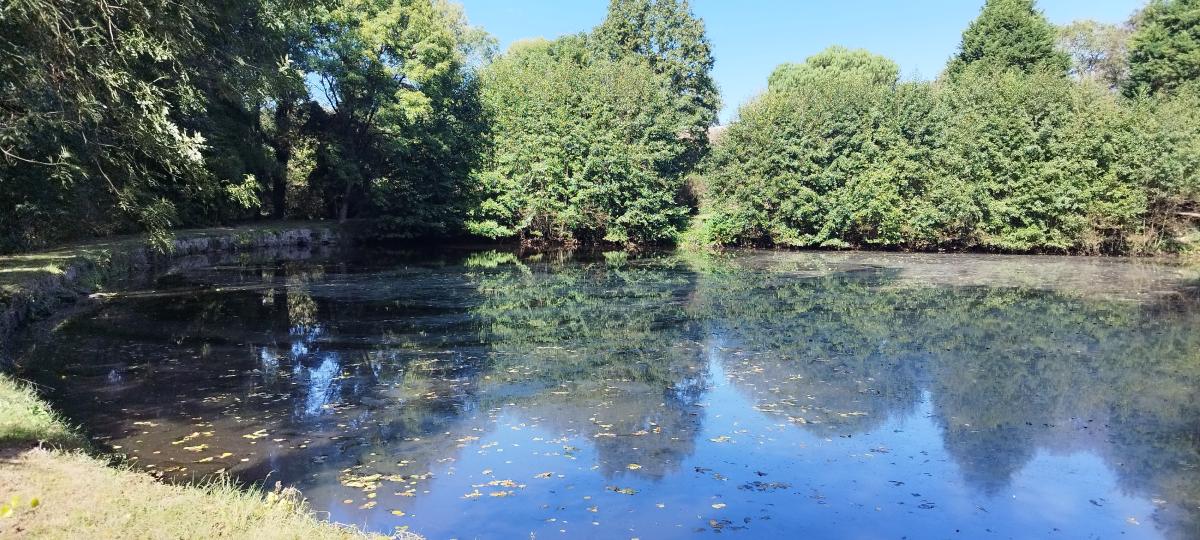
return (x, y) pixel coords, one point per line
(353, 362)
(604, 347)
(1010, 371)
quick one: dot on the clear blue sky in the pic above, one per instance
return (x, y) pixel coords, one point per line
(751, 37)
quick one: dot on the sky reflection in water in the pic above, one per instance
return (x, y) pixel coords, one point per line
(485, 395)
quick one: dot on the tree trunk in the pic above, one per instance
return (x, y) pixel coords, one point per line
(283, 155)
(344, 209)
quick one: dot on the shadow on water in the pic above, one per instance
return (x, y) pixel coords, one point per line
(490, 394)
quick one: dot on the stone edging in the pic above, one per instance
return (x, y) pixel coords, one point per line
(97, 266)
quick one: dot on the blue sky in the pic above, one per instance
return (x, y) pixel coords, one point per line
(751, 37)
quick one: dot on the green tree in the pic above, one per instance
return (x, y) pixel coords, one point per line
(93, 95)
(1042, 157)
(383, 66)
(585, 148)
(1009, 35)
(1099, 52)
(673, 40)
(1164, 52)
(838, 62)
(835, 154)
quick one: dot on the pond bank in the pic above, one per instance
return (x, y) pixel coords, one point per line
(35, 285)
(53, 486)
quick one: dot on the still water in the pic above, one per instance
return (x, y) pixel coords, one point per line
(759, 395)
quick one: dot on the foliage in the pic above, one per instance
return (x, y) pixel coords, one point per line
(585, 148)
(1004, 154)
(1008, 35)
(1164, 52)
(833, 159)
(674, 42)
(388, 73)
(119, 116)
(837, 62)
(92, 95)
(1099, 52)
(593, 134)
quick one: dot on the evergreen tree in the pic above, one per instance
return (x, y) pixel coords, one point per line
(838, 62)
(674, 42)
(1009, 35)
(1165, 50)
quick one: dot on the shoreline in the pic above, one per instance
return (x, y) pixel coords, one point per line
(55, 484)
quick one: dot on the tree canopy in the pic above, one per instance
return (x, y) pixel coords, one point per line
(1009, 35)
(121, 116)
(1164, 52)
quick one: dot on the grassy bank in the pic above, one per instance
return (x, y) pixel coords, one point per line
(53, 486)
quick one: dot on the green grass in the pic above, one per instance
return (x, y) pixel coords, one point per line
(26, 420)
(52, 489)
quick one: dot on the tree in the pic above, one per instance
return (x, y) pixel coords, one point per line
(93, 96)
(585, 148)
(1009, 35)
(1164, 52)
(383, 66)
(835, 154)
(673, 40)
(1099, 52)
(838, 62)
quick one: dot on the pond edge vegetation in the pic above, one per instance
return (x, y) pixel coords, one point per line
(57, 485)
(401, 114)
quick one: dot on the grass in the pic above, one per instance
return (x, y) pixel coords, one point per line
(26, 420)
(53, 494)
(53, 489)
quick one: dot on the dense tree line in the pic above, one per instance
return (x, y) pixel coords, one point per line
(117, 116)
(122, 115)
(1022, 145)
(593, 134)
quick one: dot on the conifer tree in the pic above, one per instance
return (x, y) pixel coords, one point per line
(1009, 35)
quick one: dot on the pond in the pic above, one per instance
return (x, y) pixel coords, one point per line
(483, 394)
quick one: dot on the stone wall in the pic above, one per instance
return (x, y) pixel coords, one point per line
(94, 267)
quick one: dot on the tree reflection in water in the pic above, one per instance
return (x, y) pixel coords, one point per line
(324, 374)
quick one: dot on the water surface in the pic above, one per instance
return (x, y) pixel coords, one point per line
(487, 395)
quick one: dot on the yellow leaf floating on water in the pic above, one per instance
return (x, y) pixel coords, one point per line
(260, 434)
(205, 460)
(633, 466)
(722, 439)
(719, 506)
(225, 455)
(398, 512)
(473, 495)
(197, 448)
(187, 438)
(543, 475)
